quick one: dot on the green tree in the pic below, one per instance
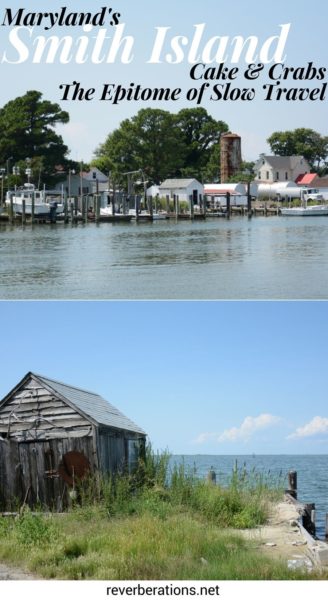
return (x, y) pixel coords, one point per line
(305, 142)
(27, 131)
(201, 138)
(150, 141)
(163, 144)
(246, 173)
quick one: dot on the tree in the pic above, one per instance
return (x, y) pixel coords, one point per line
(149, 141)
(27, 132)
(246, 173)
(304, 142)
(162, 144)
(201, 136)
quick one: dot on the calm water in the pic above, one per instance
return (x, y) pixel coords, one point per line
(312, 474)
(272, 257)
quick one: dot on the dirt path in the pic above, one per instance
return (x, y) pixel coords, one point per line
(14, 573)
(282, 537)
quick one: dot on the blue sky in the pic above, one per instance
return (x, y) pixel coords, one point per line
(254, 121)
(199, 377)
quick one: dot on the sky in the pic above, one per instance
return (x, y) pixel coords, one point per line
(91, 121)
(198, 377)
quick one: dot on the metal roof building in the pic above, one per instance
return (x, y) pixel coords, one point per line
(52, 434)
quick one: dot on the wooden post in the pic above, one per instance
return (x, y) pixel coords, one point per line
(150, 205)
(72, 212)
(11, 209)
(191, 203)
(32, 208)
(292, 484)
(97, 208)
(136, 203)
(65, 211)
(124, 204)
(23, 212)
(114, 198)
(204, 204)
(83, 208)
(211, 476)
(167, 203)
(75, 209)
(249, 200)
(307, 519)
(228, 205)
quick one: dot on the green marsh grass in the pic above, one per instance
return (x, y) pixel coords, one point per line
(154, 524)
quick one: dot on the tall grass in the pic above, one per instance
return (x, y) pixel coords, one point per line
(154, 524)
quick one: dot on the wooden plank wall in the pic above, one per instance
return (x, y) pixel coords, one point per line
(33, 413)
(28, 472)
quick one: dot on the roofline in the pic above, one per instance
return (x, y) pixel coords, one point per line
(15, 388)
(92, 421)
(64, 399)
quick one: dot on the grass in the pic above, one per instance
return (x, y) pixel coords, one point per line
(153, 525)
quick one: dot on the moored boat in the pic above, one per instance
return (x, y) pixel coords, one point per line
(44, 201)
(317, 210)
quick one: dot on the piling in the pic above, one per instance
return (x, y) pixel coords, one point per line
(211, 476)
(136, 203)
(228, 205)
(113, 203)
(249, 200)
(83, 208)
(203, 200)
(32, 208)
(86, 209)
(150, 206)
(292, 483)
(97, 208)
(72, 212)
(191, 202)
(65, 211)
(23, 212)
(167, 204)
(175, 204)
(124, 204)
(53, 212)
(307, 522)
(75, 209)
(11, 209)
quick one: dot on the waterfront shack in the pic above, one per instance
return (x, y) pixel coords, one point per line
(53, 434)
(183, 188)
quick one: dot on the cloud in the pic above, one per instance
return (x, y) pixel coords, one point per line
(317, 425)
(205, 437)
(249, 426)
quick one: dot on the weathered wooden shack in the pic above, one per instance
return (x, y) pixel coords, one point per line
(52, 434)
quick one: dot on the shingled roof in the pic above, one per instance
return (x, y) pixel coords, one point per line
(90, 404)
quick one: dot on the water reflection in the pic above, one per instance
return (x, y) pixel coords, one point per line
(259, 258)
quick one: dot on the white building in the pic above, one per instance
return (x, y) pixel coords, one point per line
(216, 193)
(184, 188)
(271, 169)
(91, 182)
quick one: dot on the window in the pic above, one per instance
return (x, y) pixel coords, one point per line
(259, 175)
(267, 175)
(277, 175)
(286, 175)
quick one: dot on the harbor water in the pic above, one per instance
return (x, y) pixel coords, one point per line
(311, 474)
(260, 258)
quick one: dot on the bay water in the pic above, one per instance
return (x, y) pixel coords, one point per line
(312, 474)
(259, 258)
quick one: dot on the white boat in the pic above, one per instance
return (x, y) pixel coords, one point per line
(44, 200)
(156, 216)
(317, 210)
